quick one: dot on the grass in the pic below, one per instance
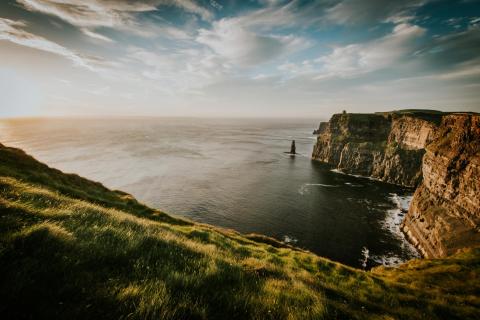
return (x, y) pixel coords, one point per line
(71, 248)
(433, 116)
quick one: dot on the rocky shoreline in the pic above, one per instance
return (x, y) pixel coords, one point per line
(439, 153)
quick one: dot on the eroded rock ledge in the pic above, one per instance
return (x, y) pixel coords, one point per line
(402, 147)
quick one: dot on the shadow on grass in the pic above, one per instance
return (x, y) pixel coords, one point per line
(47, 273)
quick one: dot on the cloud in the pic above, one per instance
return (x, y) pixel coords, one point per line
(183, 70)
(451, 56)
(118, 14)
(404, 67)
(192, 7)
(351, 12)
(232, 40)
(296, 69)
(280, 14)
(452, 49)
(355, 59)
(13, 31)
(323, 13)
(96, 35)
(86, 13)
(405, 53)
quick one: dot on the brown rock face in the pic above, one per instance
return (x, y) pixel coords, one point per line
(412, 133)
(385, 146)
(444, 215)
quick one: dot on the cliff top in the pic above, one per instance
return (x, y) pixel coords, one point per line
(414, 111)
(434, 116)
(71, 248)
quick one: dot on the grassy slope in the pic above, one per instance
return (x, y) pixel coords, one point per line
(70, 247)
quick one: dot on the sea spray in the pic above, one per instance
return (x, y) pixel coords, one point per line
(289, 239)
(392, 223)
(305, 188)
(365, 256)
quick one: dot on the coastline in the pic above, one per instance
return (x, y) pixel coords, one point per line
(393, 222)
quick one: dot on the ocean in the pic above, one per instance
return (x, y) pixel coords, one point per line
(233, 173)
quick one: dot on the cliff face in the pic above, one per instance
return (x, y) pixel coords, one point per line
(445, 212)
(385, 146)
(352, 143)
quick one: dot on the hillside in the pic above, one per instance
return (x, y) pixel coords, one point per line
(71, 248)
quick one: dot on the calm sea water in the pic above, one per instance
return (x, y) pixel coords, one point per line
(230, 173)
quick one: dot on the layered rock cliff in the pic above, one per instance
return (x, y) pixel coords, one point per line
(386, 146)
(438, 152)
(445, 211)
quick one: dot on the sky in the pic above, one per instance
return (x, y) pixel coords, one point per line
(257, 58)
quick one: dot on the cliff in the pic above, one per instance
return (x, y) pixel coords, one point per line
(438, 152)
(385, 146)
(72, 249)
(445, 211)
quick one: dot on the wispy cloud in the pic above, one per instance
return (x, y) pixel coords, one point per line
(233, 40)
(178, 71)
(297, 13)
(96, 35)
(353, 12)
(118, 14)
(13, 31)
(355, 59)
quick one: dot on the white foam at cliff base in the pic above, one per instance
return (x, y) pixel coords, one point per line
(402, 202)
(305, 187)
(353, 185)
(392, 223)
(288, 239)
(388, 260)
(355, 175)
(395, 216)
(365, 256)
